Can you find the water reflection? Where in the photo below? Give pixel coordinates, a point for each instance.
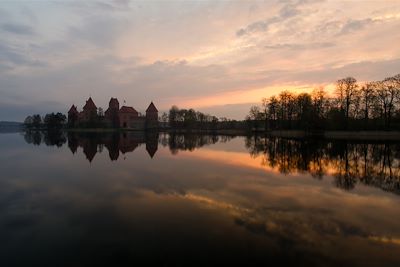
(50, 138)
(376, 164)
(205, 200)
(124, 142)
(190, 142)
(94, 142)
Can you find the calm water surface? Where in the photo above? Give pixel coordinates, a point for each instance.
(87, 199)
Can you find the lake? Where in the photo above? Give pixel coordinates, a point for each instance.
(90, 199)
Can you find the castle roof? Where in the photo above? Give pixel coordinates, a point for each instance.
(126, 109)
(151, 108)
(89, 104)
(73, 109)
(113, 100)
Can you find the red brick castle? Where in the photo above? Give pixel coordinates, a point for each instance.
(115, 117)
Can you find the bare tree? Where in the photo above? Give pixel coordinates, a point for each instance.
(264, 104)
(273, 105)
(319, 100)
(255, 113)
(388, 93)
(346, 90)
(367, 98)
(287, 106)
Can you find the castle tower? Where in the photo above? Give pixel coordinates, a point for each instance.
(111, 113)
(151, 116)
(89, 112)
(72, 116)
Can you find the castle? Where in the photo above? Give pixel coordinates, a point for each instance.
(114, 117)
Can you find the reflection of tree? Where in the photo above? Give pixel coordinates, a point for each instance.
(54, 138)
(287, 155)
(373, 164)
(346, 168)
(50, 138)
(190, 141)
(33, 137)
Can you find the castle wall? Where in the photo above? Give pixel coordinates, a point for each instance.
(138, 124)
(127, 121)
(151, 124)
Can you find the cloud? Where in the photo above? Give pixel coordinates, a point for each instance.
(122, 3)
(362, 71)
(235, 111)
(19, 111)
(86, 8)
(290, 9)
(27, 12)
(18, 29)
(100, 31)
(355, 25)
(13, 56)
(208, 88)
(258, 26)
(115, 5)
(295, 46)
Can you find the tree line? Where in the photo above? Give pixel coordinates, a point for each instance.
(178, 118)
(354, 106)
(49, 121)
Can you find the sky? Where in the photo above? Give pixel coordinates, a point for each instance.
(219, 57)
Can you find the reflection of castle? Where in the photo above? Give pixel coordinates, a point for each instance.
(115, 143)
(114, 116)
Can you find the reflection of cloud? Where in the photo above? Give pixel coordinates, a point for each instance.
(230, 208)
(307, 231)
(230, 158)
(384, 239)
